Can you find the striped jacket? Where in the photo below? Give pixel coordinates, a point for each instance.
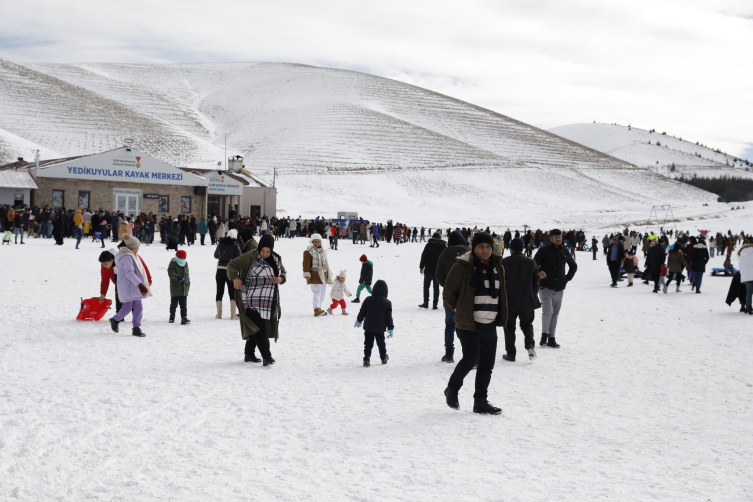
(460, 295)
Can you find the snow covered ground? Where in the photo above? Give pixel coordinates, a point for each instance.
(650, 396)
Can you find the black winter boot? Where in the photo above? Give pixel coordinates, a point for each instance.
(451, 396)
(447, 358)
(552, 343)
(357, 300)
(172, 318)
(114, 324)
(385, 359)
(366, 362)
(424, 305)
(508, 358)
(267, 361)
(137, 332)
(184, 321)
(251, 358)
(484, 406)
(544, 338)
(435, 307)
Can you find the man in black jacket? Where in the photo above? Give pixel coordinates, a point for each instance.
(551, 260)
(615, 255)
(506, 238)
(456, 247)
(654, 260)
(428, 267)
(522, 283)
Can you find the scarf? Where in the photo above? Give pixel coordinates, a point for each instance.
(140, 266)
(477, 279)
(318, 259)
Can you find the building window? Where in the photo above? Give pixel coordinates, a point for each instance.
(185, 204)
(83, 200)
(254, 211)
(58, 198)
(164, 203)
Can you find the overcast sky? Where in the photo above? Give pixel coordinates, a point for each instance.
(685, 67)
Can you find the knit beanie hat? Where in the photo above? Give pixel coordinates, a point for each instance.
(246, 234)
(181, 254)
(363, 258)
(233, 234)
(267, 241)
(343, 274)
(316, 237)
(105, 256)
(435, 236)
(482, 238)
(131, 242)
(456, 239)
(516, 245)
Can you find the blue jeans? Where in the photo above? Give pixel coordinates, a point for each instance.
(79, 233)
(711, 250)
(449, 329)
(749, 293)
(697, 279)
(17, 231)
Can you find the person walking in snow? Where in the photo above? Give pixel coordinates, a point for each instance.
(675, 266)
(398, 233)
(174, 236)
(317, 272)
(698, 264)
(376, 317)
(475, 288)
(594, 246)
(338, 292)
(615, 256)
(630, 265)
(745, 264)
(551, 260)
(364, 281)
(226, 251)
(654, 262)
(456, 246)
(132, 285)
(180, 282)
(522, 284)
(428, 267)
(256, 276)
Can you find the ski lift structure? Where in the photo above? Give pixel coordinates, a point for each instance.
(661, 216)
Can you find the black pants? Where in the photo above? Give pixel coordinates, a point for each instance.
(222, 282)
(674, 276)
(480, 344)
(260, 339)
(368, 343)
(174, 301)
(428, 280)
(334, 242)
(614, 271)
(526, 326)
(202, 238)
(212, 239)
(594, 250)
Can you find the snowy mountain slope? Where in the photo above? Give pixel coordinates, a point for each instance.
(655, 151)
(12, 147)
(395, 147)
(73, 120)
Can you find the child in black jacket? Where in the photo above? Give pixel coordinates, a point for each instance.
(376, 316)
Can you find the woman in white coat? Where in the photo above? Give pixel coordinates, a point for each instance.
(317, 273)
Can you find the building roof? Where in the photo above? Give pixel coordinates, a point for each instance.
(16, 179)
(28, 164)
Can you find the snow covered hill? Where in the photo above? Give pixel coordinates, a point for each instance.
(337, 140)
(655, 150)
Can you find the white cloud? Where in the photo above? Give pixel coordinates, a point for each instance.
(681, 66)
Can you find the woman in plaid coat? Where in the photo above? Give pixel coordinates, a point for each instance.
(256, 276)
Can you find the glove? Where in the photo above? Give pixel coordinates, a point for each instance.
(358, 324)
(391, 333)
(181, 280)
(143, 289)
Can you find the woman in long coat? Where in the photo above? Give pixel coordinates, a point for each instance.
(317, 272)
(174, 235)
(256, 276)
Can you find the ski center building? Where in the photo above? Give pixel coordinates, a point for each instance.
(131, 182)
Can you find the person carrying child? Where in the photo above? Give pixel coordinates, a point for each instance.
(180, 282)
(364, 282)
(132, 284)
(338, 292)
(376, 317)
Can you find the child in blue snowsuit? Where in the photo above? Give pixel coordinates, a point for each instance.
(376, 317)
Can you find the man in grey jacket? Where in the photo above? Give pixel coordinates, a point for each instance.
(522, 283)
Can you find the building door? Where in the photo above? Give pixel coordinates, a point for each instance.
(254, 211)
(213, 205)
(128, 203)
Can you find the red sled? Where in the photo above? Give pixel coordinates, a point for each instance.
(93, 310)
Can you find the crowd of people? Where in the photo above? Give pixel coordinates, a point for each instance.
(467, 268)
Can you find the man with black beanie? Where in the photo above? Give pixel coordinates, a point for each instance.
(428, 267)
(475, 289)
(551, 260)
(456, 246)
